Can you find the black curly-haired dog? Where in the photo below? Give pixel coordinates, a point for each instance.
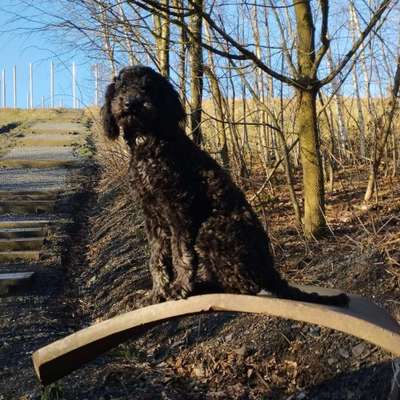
(203, 234)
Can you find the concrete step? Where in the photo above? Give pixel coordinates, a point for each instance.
(60, 126)
(23, 163)
(20, 244)
(26, 223)
(19, 222)
(47, 140)
(6, 195)
(10, 268)
(26, 207)
(18, 256)
(14, 280)
(10, 233)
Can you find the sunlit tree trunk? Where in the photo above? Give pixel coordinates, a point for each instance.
(162, 37)
(218, 102)
(355, 27)
(313, 183)
(342, 129)
(196, 72)
(125, 26)
(289, 178)
(380, 142)
(106, 36)
(360, 112)
(178, 4)
(307, 128)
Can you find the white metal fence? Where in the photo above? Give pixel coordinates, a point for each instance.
(10, 82)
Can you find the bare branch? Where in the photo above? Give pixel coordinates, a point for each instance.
(324, 36)
(374, 20)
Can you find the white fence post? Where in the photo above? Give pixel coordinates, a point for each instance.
(4, 87)
(74, 85)
(27, 92)
(15, 86)
(96, 84)
(52, 84)
(30, 86)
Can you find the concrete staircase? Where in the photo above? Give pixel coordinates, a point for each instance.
(32, 180)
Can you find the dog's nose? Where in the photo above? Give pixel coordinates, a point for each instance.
(133, 101)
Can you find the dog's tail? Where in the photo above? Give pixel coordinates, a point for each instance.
(283, 290)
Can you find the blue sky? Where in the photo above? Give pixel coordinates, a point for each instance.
(20, 49)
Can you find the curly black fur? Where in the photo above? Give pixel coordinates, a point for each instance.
(203, 234)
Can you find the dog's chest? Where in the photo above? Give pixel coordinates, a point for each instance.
(150, 170)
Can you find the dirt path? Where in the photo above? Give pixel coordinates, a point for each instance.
(37, 179)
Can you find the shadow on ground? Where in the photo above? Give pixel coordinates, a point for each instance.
(8, 127)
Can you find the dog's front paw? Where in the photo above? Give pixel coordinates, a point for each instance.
(155, 296)
(178, 291)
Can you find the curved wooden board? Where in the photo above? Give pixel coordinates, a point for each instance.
(362, 319)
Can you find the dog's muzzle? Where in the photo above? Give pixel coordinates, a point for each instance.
(133, 103)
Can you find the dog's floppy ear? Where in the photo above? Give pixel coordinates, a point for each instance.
(174, 108)
(111, 129)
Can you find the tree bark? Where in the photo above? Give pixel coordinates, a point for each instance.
(313, 182)
(197, 72)
(307, 128)
(107, 37)
(125, 26)
(162, 37)
(380, 143)
(289, 178)
(219, 111)
(183, 39)
(343, 138)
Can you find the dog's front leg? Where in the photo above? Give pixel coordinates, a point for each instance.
(183, 259)
(160, 263)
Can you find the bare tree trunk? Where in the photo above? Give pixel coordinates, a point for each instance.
(330, 157)
(165, 42)
(313, 182)
(238, 154)
(361, 121)
(125, 25)
(178, 4)
(307, 127)
(197, 71)
(394, 154)
(246, 149)
(258, 79)
(218, 106)
(289, 178)
(355, 28)
(342, 129)
(162, 37)
(380, 143)
(106, 36)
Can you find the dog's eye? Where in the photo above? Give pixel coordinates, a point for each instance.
(147, 105)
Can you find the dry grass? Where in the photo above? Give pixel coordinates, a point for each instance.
(113, 157)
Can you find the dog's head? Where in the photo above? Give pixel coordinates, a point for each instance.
(143, 103)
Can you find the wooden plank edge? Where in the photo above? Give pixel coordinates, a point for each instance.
(65, 355)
